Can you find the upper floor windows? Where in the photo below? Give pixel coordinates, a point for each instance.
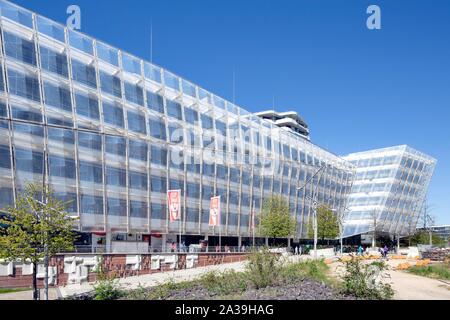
(110, 84)
(24, 85)
(134, 93)
(155, 102)
(19, 48)
(174, 110)
(84, 73)
(136, 122)
(57, 96)
(54, 62)
(87, 105)
(113, 114)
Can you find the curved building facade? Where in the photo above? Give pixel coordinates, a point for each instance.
(112, 133)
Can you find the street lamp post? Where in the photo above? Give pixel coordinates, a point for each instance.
(314, 203)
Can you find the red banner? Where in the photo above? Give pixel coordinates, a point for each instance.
(174, 204)
(214, 211)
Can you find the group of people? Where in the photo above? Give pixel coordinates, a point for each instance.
(383, 250)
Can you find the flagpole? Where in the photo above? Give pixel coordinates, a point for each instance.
(179, 243)
(253, 222)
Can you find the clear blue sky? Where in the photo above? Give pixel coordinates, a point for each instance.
(358, 89)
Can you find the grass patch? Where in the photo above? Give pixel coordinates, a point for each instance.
(437, 271)
(11, 290)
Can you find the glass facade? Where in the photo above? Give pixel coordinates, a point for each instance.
(388, 191)
(112, 133)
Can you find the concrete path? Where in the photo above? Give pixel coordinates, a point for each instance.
(411, 287)
(28, 295)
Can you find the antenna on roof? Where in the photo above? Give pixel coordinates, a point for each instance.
(234, 86)
(151, 40)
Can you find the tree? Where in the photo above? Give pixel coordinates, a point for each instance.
(327, 224)
(34, 230)
(276, 220)
(423, 237)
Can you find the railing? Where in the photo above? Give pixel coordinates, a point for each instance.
(92, 249)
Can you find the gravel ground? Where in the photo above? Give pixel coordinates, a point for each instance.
(306, 289)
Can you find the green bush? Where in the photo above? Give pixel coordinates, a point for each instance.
(224, 283)
(362, 280)
(263, 268)
(316, 270)
(107, 289)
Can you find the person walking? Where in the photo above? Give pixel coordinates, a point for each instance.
(360, 250)
(385, 250)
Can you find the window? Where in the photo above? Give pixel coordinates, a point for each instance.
(174, 109)
(137, 150)
(208, 169)
(115, 177)
(107, 54)
(84, 73)
(113, 114)
(158, 184)
(207, 122)
(2, 84)
(57, 96)
(137, 180)
(61, 136)
(235, 175)
(158, 211)
(35, 130)
(54, 62)
(116, 207)
(19, 48)
(91, 204)
(87, 105)
(70, 199)
(26, 86)
(88, 140)
(134, 93)
(5, 155)
(158, 155)
(6, 197)
(138, 209)
(110, 84)
(136, 122)
(193, 190)
(64, 122)
(221, 128)
(62, 167)
(207, 192)
(80, 42)
(29, 161)
(115, 145)
(155, 102)
(175, 133)
(157, 128)
(26, 113)
(192, 214)
(191, 115)
(50, 29)
(91, 172)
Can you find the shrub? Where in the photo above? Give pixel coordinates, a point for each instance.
(440, 271)
(363, 280)
(316, 270)
(107, 289)
(263, 268)
(224, 283)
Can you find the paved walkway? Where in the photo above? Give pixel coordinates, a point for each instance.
(28, 295)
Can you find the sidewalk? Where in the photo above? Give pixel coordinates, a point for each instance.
(28, 295)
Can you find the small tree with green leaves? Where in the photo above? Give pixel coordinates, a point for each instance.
(35, 229)
(327, 224)
(276, 221)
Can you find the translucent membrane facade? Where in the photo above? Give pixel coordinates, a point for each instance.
(388, 191)
(112, 133)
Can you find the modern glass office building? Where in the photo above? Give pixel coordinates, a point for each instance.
(112, 133)
(388, 191)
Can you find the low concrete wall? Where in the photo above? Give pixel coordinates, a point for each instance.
(80, 268)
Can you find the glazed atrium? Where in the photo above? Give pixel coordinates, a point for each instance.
(111, 133)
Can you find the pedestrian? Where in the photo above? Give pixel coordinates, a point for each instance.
(296, 250)
(385, 250)
(360, 250)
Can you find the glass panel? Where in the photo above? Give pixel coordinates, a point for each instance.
(91, 172)
(19, 48)
(158, 155)
(191, 116)
(158, 184)
(131, 64)
(113, 114)
(16, 14)
(91, 204)
(88, 140)
(136, 122)
(50, 29)
(115, 177)
(138, 150)
(107, 54)
(134, 93)
(23, 85)
(84, 73)
(5, 157)
(62, 167)
(80, 42)
(189, 89)
(110, 84)
(138, 209)
(174, 109)
(29, 160)
(155, 102)
(26, 113)
(54, 62)
(87, 105)
(117, 207)
(57, 96)
(157, 128)
(115, 145)
(137, 180)
(152, 72)
(171, 81)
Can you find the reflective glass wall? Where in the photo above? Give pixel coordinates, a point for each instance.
(111, 133)
(389, 190)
